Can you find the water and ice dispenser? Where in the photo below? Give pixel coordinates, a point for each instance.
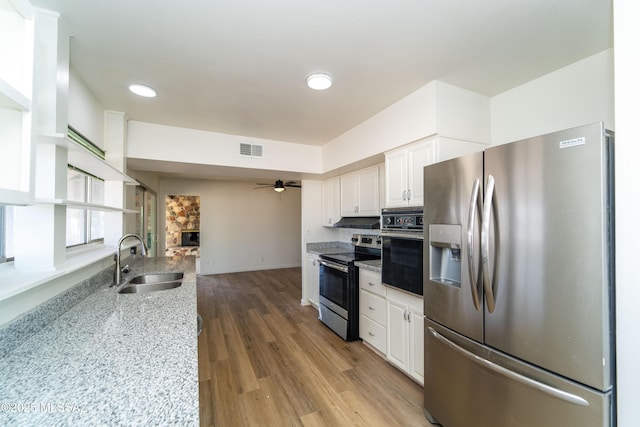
(445, 254)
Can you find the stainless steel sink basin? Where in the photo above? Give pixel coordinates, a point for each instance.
(148, 287)
(155, 278)
(152, 283)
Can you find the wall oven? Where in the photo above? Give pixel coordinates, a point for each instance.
(402, 248)
(338, 308)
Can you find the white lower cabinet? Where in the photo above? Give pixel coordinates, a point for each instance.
(313, 280)
(373, 313)
(405, 333)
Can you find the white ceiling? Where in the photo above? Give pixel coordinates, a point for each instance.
(239, 66)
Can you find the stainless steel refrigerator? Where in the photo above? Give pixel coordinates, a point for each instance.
(518, 284)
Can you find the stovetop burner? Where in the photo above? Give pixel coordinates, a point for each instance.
(365, 247)
(347, 258)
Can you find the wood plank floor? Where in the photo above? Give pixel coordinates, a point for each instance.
(266, 360)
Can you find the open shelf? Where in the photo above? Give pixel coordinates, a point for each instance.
(88, 162)
(82, 205)
(12, 98)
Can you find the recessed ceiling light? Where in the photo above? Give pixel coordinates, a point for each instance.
(142, 90)
(319, 81)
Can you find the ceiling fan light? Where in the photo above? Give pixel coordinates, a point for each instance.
(279, 189)
(319, 81)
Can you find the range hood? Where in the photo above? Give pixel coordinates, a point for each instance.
(363, 222)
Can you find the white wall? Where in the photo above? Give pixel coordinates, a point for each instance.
(86, 114)
(241, 229)
(170, 143)
(437, 108)
(148, 179)
(627, 94)
(576, 95)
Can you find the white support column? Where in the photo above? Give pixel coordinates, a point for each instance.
(51, 77)
(41, 245)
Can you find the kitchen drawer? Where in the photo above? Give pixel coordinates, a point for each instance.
(374, 307)
(373, 333)
(372, 281)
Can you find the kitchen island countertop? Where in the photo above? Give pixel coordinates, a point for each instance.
(113, 359)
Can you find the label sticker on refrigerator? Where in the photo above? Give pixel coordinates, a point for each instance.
(568, 143)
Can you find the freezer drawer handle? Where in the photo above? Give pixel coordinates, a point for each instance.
(484, 245)
(560, 394)
(473, 203)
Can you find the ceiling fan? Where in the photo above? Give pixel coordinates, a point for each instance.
(279, 185)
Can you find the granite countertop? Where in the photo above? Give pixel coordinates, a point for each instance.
(319, 248)
(373, 265)
(113, 359)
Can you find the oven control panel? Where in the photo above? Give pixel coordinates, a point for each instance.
(367, 241)
(402, 219)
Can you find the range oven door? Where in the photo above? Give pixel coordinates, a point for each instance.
(334, 287)
(402, 260)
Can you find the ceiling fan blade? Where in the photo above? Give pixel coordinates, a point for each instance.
(279, 184)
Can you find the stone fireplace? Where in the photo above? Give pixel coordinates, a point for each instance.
(182, 221)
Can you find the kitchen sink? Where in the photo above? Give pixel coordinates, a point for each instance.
(152, 283)
(155, 278)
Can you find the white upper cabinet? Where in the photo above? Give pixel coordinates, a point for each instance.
(16, 88)
(404, 169)
(360, 193)
(330, 202)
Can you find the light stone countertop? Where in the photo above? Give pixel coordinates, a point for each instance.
(113, 359)
(373, 265)
(319, 248)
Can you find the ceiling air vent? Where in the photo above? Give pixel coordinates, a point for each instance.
(250, 150)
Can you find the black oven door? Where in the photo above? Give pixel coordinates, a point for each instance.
(334, 287)
(402, 261)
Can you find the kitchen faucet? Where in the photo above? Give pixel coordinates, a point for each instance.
(118, 273)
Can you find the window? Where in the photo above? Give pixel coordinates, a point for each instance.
(84, 225)
(6, 233)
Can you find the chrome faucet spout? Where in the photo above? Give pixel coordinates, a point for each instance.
(118, 273)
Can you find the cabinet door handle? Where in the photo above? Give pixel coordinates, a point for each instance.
(404, 314)
(371, 308)
(371, 284)
(408, 194)
(404, 195)
(372, 334)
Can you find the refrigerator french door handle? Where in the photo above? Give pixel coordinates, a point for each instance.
(484, 245)
(560, 394)
(473, 209)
